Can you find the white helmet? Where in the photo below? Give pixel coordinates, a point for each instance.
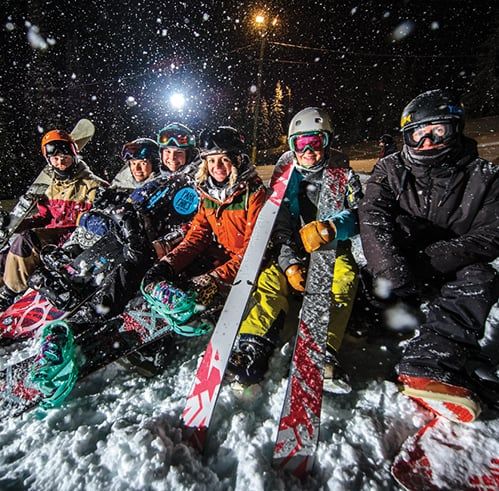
(310, 119)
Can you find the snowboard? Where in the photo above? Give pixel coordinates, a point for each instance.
(299, 425)
(446, 455)
(137, 328)
(56, 294)
(82, 134)
(202, 398)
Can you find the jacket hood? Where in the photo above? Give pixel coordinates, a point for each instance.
(125, 180)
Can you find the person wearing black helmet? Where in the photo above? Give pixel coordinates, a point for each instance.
(387, 145)
(232, 196)
(430, 216)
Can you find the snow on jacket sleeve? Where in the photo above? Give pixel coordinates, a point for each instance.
(480, 244)
(227, 272)
(377, 213)
(197, 239)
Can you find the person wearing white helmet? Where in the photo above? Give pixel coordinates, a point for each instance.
(296, 234)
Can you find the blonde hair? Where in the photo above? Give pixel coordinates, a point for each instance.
(202, 173)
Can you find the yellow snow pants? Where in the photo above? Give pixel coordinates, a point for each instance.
(271, 296)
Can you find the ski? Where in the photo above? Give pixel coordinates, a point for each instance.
(82, 134)
(203, 395)
(298, 430)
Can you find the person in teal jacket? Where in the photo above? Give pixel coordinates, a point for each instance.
(296, 234)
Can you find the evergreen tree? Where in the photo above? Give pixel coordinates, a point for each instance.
(277, 115)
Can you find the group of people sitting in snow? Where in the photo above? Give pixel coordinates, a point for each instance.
(428, 221)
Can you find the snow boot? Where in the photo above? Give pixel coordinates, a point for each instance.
(250, 361)
(7, 297)
(336, 380)
(455, 403)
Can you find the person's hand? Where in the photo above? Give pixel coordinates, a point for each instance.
(317, 233)
(161, 271)
(296, 276)
(206, 287)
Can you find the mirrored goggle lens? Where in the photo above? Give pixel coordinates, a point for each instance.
(167, 138)
(135, 152)
(438, 133)
(58, 147)
(314, 142)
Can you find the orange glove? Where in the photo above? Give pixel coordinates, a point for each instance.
(315, 234)
(296, 276)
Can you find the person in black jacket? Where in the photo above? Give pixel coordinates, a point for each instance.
(430, 217)
(387, 145)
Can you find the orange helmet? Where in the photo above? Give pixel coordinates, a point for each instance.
(58, 141)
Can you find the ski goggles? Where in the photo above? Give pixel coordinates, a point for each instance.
(135, 151)
(438, 133)
(172, 138)
(308, 141)
(58, 147)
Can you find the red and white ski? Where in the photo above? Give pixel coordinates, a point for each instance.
(446, 455)
(298, 431)
(203, 396)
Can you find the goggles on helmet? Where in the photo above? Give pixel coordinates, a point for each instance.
(58, 147)
(170, 137)
(315, 142)
(438, 132)
(136, 151)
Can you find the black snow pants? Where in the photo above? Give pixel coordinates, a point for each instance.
(447, 347)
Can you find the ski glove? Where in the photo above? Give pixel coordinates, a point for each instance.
(296, 276)
(4, 220)
(206, 287)
(317, 233)
(161, 271)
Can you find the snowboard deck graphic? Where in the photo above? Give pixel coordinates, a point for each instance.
(451, 456)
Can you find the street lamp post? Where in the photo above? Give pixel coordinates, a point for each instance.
(260, 21)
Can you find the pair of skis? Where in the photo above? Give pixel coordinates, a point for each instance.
(300, 420)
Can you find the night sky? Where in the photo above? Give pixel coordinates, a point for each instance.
(118, 63)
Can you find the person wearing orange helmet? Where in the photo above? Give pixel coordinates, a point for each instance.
(70, 193)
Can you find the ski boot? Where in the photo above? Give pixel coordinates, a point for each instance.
(336, 380)
(250, 361)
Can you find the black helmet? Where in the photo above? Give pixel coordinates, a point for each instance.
(223, 139)
(141, 148)
(386, 139)
(431, 107)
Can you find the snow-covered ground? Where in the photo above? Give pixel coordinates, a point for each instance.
(119, 431)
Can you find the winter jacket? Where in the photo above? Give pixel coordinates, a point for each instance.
(66, 200)
(300, 207)
(450, 213)
(228, 222)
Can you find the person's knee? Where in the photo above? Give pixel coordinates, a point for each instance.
(24, 244)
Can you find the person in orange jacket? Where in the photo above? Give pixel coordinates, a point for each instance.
(232, 196)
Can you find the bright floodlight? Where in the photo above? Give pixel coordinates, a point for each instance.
(177, 100)
(259, 19)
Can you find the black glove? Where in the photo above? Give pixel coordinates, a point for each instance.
(4, 220)
(161, 271)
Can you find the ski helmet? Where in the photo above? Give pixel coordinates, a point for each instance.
(433, 106)
(224, 139)
(386, 139)
(58, 141)
(141, 149)
(176, 135)
(309, 120)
